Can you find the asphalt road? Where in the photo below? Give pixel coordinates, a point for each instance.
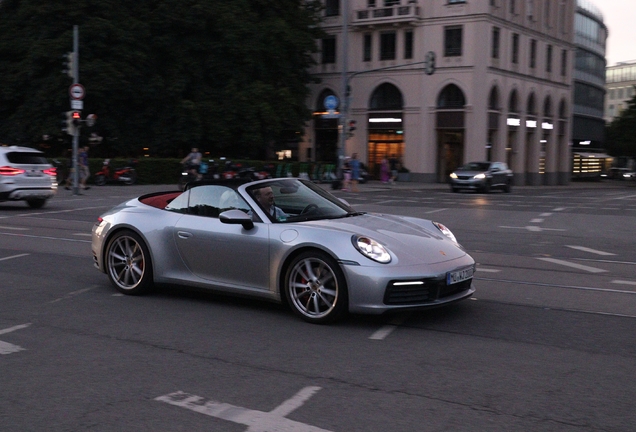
(546, 343)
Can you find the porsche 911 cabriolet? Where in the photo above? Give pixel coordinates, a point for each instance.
(286, 240)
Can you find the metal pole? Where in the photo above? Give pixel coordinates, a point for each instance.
(76, 129)
(344, 103)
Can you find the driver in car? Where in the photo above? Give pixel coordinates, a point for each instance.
(265, 197)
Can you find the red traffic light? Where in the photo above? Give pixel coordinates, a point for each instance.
(76, 115)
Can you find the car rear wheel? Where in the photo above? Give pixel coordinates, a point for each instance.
(315, 288)
(508, 186)
(36, 203)
(128, 263)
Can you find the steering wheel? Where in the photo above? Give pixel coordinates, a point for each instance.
(309, 208)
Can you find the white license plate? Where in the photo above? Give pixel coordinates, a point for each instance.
(459, 275)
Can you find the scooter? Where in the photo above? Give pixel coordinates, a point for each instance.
(126, 175)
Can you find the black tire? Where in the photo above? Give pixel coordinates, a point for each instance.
(131, 177)
(128, 264)
(486, 187)
(36, 203)
(99, 180)
(508, 187)
(315, 288)
(454, 189)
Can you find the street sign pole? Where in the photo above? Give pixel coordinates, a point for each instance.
(76, 131)
(344, 108)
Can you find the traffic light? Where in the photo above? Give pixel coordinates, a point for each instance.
(71, 121)
(76, 118)
(69, 64)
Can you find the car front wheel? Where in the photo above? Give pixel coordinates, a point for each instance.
(128, 263)
(315, 288)
(36, 203)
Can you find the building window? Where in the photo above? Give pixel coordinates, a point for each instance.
(408, 44)
(548, 59)
(371, 3)
(391, 2)
(329, 50)
(387, 46)
(368, 48)
(564, 62)
(456, 1)
(495, 42)
(512, 6)
(493, 3)
(530, 9)
(332, 8)
(515, 48)
(452, 41)
(533, 53)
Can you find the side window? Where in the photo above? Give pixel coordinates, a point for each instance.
(210, 201)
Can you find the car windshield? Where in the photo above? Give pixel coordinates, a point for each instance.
(476, 166)
(295, 200)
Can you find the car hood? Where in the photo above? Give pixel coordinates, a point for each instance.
(411, 241)
(469, 172)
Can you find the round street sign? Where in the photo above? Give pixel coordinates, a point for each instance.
(331, 102)
(76, 91)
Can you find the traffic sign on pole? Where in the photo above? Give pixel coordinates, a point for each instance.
(76, 91)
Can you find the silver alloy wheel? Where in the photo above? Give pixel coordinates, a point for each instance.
(313, 288)
(126, 263)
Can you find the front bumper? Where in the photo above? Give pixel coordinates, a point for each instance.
(372, 289)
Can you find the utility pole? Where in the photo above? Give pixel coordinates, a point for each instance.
(344, 103)
(76, 132)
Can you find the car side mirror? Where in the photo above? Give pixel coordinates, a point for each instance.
(237, 217)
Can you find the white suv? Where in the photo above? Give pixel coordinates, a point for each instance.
(26, 175)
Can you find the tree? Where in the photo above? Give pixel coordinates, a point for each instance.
(228, 77)
(621, 136)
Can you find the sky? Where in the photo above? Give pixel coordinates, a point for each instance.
(618, 16)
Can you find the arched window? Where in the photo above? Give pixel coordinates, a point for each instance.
(386, 97)
(493, 99)
(513, 102)
(532, 105)
(451, 97)
(563, 110)
(547, 107)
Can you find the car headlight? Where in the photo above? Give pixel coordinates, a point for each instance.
(453, 175)
(445, 231)
(480, 176)
(371, 249)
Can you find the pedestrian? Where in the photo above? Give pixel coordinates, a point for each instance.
(346, 175)
(69, 170)
(393, 166)
(84, 171)
(354, 163)
(384, 170)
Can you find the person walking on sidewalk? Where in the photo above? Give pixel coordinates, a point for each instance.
(354, 163)
(84, 172)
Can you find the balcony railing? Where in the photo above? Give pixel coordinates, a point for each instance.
(391, 14)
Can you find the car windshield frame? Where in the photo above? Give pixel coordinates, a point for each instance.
(300, 200)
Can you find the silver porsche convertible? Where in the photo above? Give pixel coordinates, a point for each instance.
(286, 240)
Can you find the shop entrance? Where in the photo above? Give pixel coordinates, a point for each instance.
(450, 148)
(384, 144)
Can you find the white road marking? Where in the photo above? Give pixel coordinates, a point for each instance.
(532, 228)
(386, 330)
(537, 220)
(73, 294)
(487, 270)
(6, 347)
(436, 211)
(545, 214)
(558, 209)
(45, 237)
(622, 282)
(13, 256)
(573, 265)
(83, 234)
(257, 421)
(594, 251)
(13, 228)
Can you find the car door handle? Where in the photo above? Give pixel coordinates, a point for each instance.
(184, 234)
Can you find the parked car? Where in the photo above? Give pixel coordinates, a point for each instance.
(314, 253)
(26, 175)
(482, 176)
